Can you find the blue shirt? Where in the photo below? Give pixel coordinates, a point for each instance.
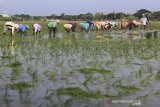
(22, 28)
(90, 23)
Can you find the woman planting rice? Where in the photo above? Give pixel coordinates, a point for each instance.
(10, 26)
(123, 24)
(52, 27)
(22, 29)
(70, 27)
(37, 29)
(91, 24)
(84, 26)
(99, 25)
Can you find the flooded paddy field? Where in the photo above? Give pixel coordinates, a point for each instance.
(79, 70)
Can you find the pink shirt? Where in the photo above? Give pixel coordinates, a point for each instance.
(37, 27)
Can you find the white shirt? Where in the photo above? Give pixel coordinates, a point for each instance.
(144, 20)
(10, 25)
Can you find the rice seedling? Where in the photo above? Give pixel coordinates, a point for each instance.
(77, 93)
(126, 90)
(92, 71)
(155, 34)
(20, 86)
(16, 72)
(50, 75)
(149, 35)
(15, 64)
(157, 93)
(158, 76)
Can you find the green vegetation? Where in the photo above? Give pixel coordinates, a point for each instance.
(77, 92)
(92, 71)
(20, 86)
(15, 64)
(126, 90)
(149, 35)
(158, 76)
(157, 93)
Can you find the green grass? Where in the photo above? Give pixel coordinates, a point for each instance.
(155, 25)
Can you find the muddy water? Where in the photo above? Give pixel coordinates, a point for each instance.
(45, 66)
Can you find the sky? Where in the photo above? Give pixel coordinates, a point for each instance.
(70, 7)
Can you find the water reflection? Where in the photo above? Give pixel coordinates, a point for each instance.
(36, 43)
(60, 35)
(91, 35)
(85, 35)
(12, 47)
(131, 35)
(114, 35)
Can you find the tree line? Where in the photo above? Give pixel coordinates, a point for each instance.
(96, 16)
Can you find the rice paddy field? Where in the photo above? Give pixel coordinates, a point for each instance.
(82, 69)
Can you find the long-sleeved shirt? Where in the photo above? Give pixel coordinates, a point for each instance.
(84, 26)
(37, 27)
(22, 28)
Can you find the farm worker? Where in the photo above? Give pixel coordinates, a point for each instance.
(91, 24)
(136, 23)
(70, 27)
(67, 27)
(130, 24)
(144, 21)
(113, 24)
(84, 26)
(100, 25)
(123, 24)
(10, 26)
(52, 27)
(37, 29)
(110, 24)
(103, 24)
(117, 24)
(22, 29)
